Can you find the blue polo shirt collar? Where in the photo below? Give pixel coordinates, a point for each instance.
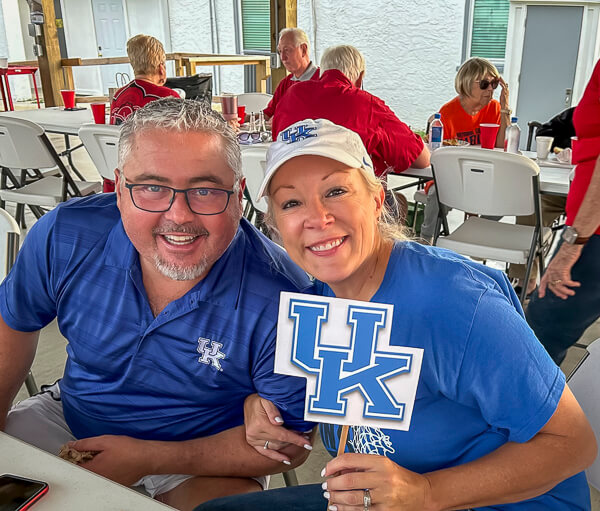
(222, 286)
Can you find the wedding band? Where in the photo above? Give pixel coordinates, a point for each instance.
(558, 281)
(266, 446)
(366, 499)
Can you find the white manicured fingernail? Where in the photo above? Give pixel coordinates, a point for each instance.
(308, 447)
(326, 494)
(279, 420)
(323, 472)
(287, 462)
(324, 485)
(332, 508)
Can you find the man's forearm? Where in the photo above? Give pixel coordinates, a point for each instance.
(17, 350)
(224, 454)
(587, 219)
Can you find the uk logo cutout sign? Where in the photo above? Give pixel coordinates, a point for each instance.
(342, 347)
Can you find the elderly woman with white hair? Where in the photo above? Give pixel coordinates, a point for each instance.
(494, 425)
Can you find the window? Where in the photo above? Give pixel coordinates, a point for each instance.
(486, 27)
(256, 25)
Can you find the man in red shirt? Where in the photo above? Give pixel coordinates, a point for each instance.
(338, 97)
(294, 51)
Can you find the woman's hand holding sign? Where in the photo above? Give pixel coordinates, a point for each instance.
(265, 431)
(390, 486)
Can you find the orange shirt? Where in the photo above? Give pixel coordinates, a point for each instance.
(459, 124)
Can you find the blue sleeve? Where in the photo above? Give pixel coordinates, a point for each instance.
(506, 372)
(27, 298)
(285, 392)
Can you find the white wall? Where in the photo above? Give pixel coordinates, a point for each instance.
(412, 49)
(192, 33)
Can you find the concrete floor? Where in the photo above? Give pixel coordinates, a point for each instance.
(50, 358)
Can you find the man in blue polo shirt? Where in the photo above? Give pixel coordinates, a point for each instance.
(169, 303)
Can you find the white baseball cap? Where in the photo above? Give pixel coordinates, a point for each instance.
(318, 137)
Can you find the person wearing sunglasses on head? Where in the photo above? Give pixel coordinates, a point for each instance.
(475, 83)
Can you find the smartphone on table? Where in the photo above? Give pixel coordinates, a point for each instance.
(19, 493)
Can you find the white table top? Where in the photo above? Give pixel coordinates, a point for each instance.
(55, 119)
(554, 178)
(71, 488)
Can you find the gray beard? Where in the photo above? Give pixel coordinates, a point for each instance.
(175, 272)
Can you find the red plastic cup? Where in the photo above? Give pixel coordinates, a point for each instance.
(241, 113)
(99, 112)
(68, 97)
(487, 135)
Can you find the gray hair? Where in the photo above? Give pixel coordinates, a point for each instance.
(344, 58)
(299, 36)
(181, 115)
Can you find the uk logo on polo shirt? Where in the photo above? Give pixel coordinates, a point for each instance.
(210, 353)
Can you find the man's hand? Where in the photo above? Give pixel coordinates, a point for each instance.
(557, 276)
(264, 423)
(122, 459)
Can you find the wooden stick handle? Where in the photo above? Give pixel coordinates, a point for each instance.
(341, 447)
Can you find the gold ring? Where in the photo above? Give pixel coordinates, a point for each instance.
(557, 281)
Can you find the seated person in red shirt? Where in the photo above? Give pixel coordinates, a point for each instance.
(148, 60)
(475, 83)
(294, 51)
(338, 97)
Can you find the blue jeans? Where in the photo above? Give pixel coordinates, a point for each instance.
(307, 497)
(559, 324)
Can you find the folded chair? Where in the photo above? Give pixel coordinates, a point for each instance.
(24, 145)
(101, 142)
(9, 247)
(493, 183)
(254, 101)
(253, 165)
(583, 381)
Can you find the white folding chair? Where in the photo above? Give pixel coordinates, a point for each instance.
(583, 382)
(254, 101)
(9, 247)
(24, 145)
(492, 183)
(101, 142)
(254, 160)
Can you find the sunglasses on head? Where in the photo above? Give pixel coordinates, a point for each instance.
(484, 84)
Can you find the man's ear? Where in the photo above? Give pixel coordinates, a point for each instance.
(241, 190)
(117, 185)
(162, 73)
(359, 80)
(304, 47)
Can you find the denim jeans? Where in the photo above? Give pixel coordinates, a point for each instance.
(307, 497)
(558, 323)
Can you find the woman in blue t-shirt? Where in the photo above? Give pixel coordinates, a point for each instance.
(494, 425)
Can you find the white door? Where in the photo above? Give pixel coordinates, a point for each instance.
(111, 37)
(550, 52)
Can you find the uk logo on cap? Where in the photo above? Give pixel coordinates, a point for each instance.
(300, 132)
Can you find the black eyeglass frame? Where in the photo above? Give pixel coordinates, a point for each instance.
(485, 83)
(175, 191)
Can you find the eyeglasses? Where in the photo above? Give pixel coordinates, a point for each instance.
(249, 138)
(158, 198)
(484, 84)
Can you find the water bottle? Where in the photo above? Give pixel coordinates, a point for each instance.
(513, 137)
(261, 122)
(252, 126)
(436, 132)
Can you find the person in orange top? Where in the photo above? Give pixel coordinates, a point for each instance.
(475, 83)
